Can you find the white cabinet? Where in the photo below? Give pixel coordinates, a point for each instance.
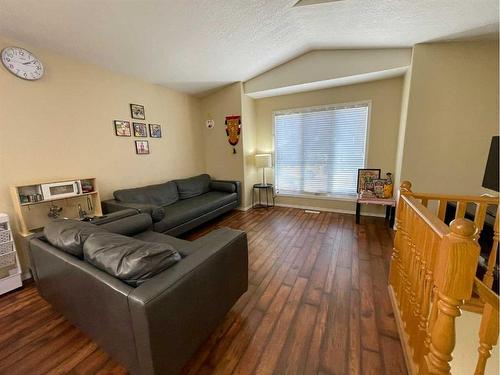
(10, 270)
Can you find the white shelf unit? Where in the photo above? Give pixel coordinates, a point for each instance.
(10, 270)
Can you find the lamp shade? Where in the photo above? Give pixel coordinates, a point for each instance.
(263, 161)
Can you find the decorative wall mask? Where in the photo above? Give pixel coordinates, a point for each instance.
(233, 130)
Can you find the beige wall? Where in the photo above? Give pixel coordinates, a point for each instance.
(452, 115)
(62, 127)
(383, 133)
(220, 161)
(249, 125)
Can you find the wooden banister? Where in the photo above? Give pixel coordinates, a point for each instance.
(432, 274)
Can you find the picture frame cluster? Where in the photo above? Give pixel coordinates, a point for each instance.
(125, 128)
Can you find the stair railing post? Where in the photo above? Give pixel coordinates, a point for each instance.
(454, 278)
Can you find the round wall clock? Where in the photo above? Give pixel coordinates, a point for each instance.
(22, 63)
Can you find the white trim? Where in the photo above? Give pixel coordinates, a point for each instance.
(26, 276)
(323, 107)
(342, 198)
(340, 211)
(241, 208)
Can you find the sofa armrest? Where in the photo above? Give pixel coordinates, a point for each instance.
(157, 213)
(227, 186)
(175, 311)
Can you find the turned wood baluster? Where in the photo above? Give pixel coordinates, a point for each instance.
(454, 278)
(420, 231)
(397, 272)
(488, 276)
(442, 208)
(424, 296)
(460, 211)
(488, 337)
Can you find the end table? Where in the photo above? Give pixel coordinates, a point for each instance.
(389, 203)
(268, 189)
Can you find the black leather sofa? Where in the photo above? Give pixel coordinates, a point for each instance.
(179, 205)
(156, 327)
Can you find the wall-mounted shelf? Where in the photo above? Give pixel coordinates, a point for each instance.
(56, 199)
(33, 201)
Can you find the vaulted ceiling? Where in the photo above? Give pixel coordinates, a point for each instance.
(197, 45)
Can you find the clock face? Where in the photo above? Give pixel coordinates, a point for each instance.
(22, 63)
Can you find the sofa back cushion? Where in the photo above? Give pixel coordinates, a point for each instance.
(130, 225)
(193, 186)
(130, 260)
(158, 195)
(69, 235)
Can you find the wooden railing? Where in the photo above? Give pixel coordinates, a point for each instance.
(432, 275)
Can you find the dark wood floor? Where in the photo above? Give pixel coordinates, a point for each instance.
(317, 304)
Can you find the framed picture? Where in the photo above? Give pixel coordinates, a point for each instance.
(137, 111)
(378, 187)
(140, 129)
(366, 177)
(155, 131)
(141, 147)
(122, 128)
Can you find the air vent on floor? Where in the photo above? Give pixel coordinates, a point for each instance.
(301, 3)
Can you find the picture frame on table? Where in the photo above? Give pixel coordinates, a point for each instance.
(122, 128)
(155, 131)
(140, 129)
(378, 187)
(367, 175)
(142, 147)
(137, 112)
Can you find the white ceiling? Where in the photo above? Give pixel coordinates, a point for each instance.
(197, 45)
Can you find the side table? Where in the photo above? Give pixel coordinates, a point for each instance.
(268, 189)
(389, 203)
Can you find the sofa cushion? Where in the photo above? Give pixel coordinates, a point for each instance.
(189, 209)
(129, 225)
(227, 186)
(69, 235)
(182, 246)
(193, 186)
(128, 259)
(158, 195)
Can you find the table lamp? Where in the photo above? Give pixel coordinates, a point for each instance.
(263, 161)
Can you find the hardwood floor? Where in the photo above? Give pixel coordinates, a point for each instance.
(317, 304)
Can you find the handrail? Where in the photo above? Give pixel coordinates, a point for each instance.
(454, 198)
(486, 294)
(439, 227)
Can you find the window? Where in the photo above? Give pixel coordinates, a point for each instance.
(319, 150)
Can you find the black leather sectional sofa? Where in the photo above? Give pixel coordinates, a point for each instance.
(179, 205)
(146, 298)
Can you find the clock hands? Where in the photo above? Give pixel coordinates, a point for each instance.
(29, 62)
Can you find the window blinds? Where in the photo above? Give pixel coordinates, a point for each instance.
(319, 150)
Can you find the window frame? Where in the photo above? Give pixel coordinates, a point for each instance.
(316, 108)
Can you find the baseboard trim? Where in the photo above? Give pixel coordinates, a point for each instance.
(336, 210)
(26, 276)
(244, 208)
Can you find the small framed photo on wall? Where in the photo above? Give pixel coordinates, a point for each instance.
(141, 147)
(155, 131)
(137, 112)
(140, 129)
(122, 128)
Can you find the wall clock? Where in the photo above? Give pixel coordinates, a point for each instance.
(22, 63)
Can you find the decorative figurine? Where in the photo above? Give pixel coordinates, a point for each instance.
(54, 211)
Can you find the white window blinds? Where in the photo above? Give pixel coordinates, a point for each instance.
(319, 150)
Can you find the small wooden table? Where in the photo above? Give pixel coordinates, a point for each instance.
(389, 203)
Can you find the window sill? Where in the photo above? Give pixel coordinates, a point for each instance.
(345, 198)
